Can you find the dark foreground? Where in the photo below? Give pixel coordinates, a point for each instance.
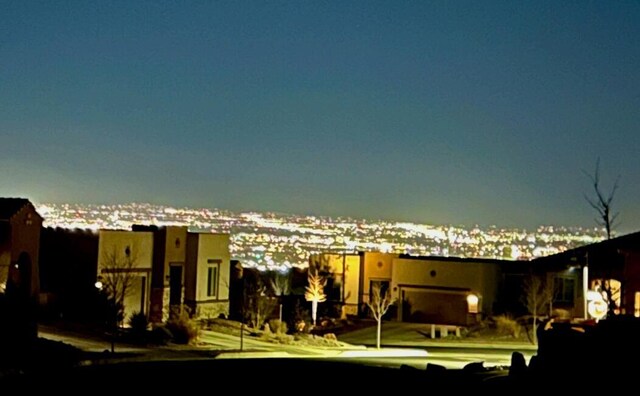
(575, 358)
(258, 376)
(283, 377)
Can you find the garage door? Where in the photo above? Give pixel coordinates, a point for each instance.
(434, 306)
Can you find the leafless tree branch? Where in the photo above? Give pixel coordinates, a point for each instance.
(602, 202)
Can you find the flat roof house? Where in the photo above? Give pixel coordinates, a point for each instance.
(167, 268)
(427, 289)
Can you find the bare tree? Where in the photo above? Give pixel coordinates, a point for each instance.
(117, 274)
(602, 202)
(379, 305)
(315, 292)
(537, 297)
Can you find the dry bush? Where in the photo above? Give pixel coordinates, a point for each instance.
(507, 326)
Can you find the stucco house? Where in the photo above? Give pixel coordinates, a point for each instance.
(124, 266)
(428, 289)
(167, 268)
(207, 275)
(584, 269)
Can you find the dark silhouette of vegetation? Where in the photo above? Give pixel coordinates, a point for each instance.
(138, 323)
(183, 328)
(68, 272)
(259, 304)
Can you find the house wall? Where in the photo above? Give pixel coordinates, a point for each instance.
(574, 305)
(5, 254)
(158, 277)
(191, 268)
(25, 228)
(443, 283)
(351, 265)
(374, 266)
(141, 247)
(201, 249)
(631, 286)
(175, 247)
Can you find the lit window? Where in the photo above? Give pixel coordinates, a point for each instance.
(636, 305)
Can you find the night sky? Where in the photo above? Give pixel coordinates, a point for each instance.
(440, 112)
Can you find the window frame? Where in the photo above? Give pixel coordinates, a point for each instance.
(213, 264)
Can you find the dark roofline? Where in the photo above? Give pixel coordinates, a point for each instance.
(9, 207)
(580, 252)
(456, 259)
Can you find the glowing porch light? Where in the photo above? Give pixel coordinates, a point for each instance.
(472, 301)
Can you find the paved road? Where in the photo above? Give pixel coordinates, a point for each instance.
(450, 353)
(452, 358)
(415, 354)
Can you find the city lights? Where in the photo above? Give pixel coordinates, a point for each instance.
(277, 241)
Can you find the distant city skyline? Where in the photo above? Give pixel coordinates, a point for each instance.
(594, 227)
(458, 113)
(268, 240)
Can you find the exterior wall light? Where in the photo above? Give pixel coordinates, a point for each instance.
(472, 302)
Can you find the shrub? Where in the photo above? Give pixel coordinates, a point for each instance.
(138, 323)
(507, 326)
(184, 329)
(299, 318)
(283, 338)
(278, 327)
(330, 337)
(561, 314)
(160, 335)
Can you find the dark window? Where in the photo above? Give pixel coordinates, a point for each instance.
(143, 291)
(212, 279)
(384, 287)
(564, 290)
(175, 285)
